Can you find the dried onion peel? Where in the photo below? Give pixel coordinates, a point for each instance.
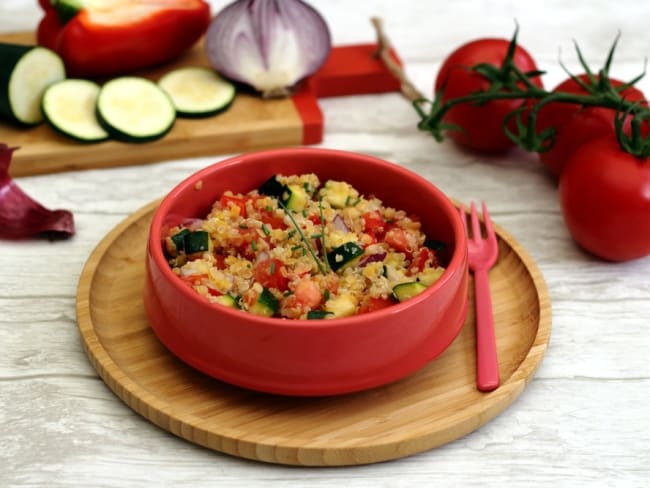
(20, 216)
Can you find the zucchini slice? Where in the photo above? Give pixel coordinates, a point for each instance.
(344, 255)
(197, 241)
(179, 240)
(69, 107)
(404, 291)
(25, 73)
(318, 314)
(266, 304)
(197, 92)
(296, 198)
(272, 188)
(293, 196)
(135, 109)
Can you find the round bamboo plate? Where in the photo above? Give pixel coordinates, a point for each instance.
(433, 406)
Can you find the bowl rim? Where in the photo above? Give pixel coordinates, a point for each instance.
(189, 183)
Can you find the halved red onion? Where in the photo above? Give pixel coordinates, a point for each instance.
(22, 217)
(268, 44)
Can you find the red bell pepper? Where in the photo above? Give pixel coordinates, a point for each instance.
(117, 37)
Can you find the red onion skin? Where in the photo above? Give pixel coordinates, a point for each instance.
(339, 224)
(245, 27)
(21, 217)
(372, 258)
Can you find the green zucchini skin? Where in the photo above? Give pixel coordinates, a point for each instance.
(294, 197)
(10, 57)
(266, 305)
(404, 291)
(196, 241)
(343, 255)
(273, 188)
(203, 115)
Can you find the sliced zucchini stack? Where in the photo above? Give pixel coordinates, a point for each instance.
(197, 91)
(25, 73)
(69, 107)
(135, 109)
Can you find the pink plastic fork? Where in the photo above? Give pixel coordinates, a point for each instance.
(482, 255)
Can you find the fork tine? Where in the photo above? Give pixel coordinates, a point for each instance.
(489, 230)
(463, 216)
(476, 225)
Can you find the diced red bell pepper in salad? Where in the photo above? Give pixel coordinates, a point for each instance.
(114, 37)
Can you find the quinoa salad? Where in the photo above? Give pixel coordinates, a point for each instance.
(297, 248)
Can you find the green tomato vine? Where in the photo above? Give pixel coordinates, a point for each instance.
(508, 82)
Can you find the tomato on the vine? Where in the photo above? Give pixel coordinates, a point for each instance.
(575, 124)
(605, 200)
(481, 124)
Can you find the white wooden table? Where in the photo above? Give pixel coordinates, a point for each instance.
(583, 421)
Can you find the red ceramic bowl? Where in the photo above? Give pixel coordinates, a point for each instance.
(308, 357)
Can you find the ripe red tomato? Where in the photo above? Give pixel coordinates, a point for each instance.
(605, 200)
(374, 223)
(482, 124)
(576, 124)
(401, 241)
(422, 256)
(270, 274)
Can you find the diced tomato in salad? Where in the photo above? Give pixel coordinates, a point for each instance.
(271, 273)
(373, 304)
(402, 241)
(228, 201)
(423, 257)
(307, 293)
(373, 223)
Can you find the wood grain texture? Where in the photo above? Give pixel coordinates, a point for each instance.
(249, 123)
(582, 422)
(436, 405)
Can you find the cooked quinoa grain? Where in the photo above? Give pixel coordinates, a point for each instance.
(296, 248)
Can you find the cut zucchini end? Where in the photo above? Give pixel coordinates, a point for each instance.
(135, 109)
(69, 107)
(37, 69)
(197, 92)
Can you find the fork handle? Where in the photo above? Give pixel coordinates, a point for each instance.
(487, 368)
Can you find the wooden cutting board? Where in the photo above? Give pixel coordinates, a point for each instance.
(249, 124)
